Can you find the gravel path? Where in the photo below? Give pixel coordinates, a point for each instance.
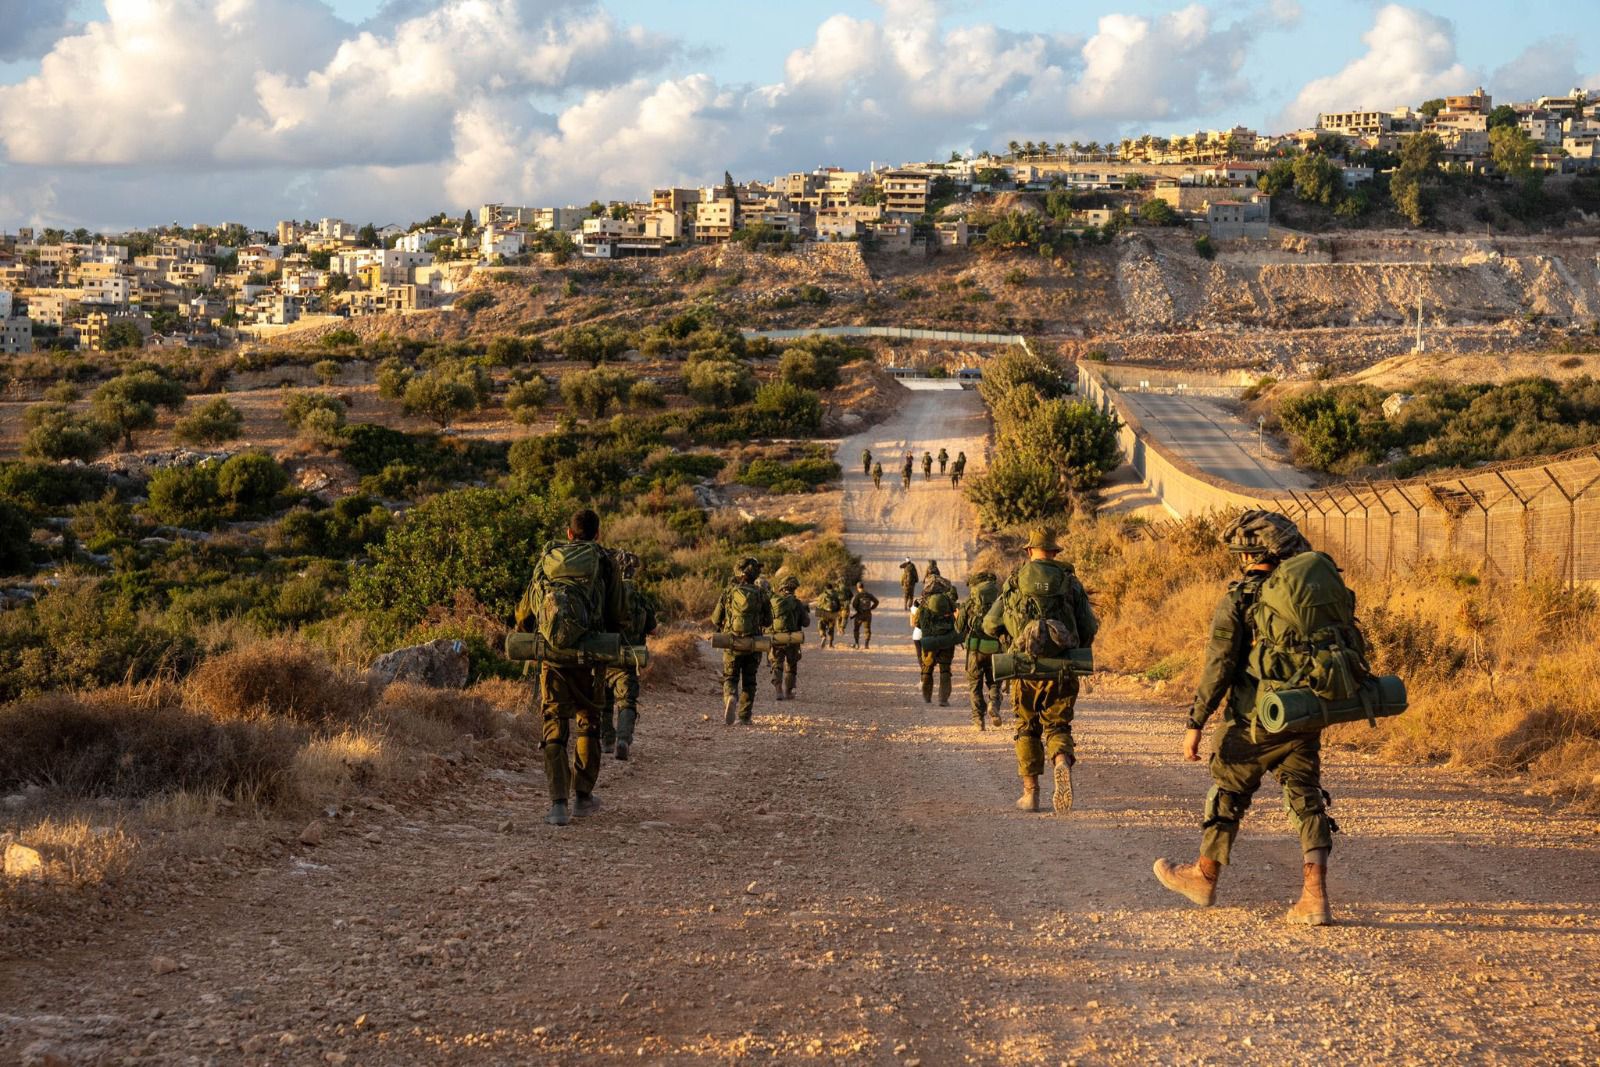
(846, 881)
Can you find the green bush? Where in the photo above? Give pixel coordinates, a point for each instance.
(15, 530)
(250, 483)
(808, 369)
(128, 402)
(593, 392)
(48, 488)
(326, 370)
(441, 395)
(1018, 489)
(340, 338)
(54, 432)
(211, 424)
(185, 496)
(720, 383)
(794, 409)
(526, 399)
(474, 301)
(800, 476)
(1204, 247)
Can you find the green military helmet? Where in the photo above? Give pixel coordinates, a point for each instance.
(979, 577)
(789, 584)
(748, 568)
(1266, 534)
(1044, 539)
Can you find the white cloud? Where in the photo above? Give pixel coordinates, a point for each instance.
(1545, 67)
(1410, 57)
(28, 28)
(1160, 68)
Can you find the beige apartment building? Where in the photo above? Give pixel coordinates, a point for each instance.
(715, 220)
(905, 195)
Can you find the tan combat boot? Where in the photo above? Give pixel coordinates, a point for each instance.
(1029, 800)
(727, 709)
(1061, 773)
(1197, 880)
(1312, 907)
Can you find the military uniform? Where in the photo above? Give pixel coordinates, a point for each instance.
(927, 466)
(981, 686)
(1043, 708)
(935, 659)
(958, 470)
(944, 457)
(905, 472)
(866, 461)
(827, 605)
(570, 699)
(1240, 755)
(739, 669)
(877, 476)
(908, 581)
(622, 683)
(788, 615)
(862, 605)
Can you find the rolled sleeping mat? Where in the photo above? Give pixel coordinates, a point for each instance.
(1009, 665)
(788, 637)
(1301, 710)
(989, 646)
(937, 642)
(738, 643)
(596, 648)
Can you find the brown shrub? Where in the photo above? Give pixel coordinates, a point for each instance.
(671, 654)
(102, 745)
(279, 679)
(407, 704)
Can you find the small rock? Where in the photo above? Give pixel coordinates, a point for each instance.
(751, 889)
(506, 827)
(312, 834)
(164, 965)
(23, 862)
(335, 1058)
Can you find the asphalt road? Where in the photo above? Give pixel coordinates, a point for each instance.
(1211, 437)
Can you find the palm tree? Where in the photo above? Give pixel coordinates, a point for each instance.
(1061, 148)
(1029, 149)
(1077, 149)
(1014, 148)
(1095, 148)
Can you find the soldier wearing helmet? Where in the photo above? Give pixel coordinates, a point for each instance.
(1241, 755)
(789, 615)
(745, 610)
(622, 682)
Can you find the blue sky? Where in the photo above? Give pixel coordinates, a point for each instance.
(124, 112)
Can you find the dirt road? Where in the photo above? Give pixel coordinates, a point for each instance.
(847, 882)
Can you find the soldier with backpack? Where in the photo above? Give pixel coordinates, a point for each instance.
(927, 466)
(622, 682)
(866, 461)
(982, 590)
(935, 618)
(828, 604)
(1288, 622)
(905, 472)
(908, 580)
(575, 594)
(745, 610)
(877, 476)
(958, 470)
(1043, 611)
(944, 457)
(862, 605)
(790, 617)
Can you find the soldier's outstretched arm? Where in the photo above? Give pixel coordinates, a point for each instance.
(1225, 649)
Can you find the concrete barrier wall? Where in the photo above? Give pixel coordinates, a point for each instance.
(895, 333)
(1536, 518)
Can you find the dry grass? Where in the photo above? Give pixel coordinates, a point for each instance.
(1500, 674)
(77, 854)
(433, 717)
(279, 679)
(672, 655)
(690, 597)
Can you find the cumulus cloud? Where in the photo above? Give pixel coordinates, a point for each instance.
(555, 100)
(1546, 66)
(1410, 57)
(28, 28)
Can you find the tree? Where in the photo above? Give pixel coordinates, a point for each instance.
(1504, 115)
(211, 424)
(1512, 150)
(594, 344)
(15, 529)
(368, 236)
(1013, 149)
(326, 370)
(1158, 212)
(592, 392)
(439, 397)
(250, 482)
(55, 433)
(127, 403)
(720, 383)
(1317, 180)
(525, 400)
(122, 334)
(467, 224)
(1430, 108)
(1419, 163)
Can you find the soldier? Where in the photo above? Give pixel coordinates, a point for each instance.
(866, 461)
(905, 472)
(622, 683)
(569, 693)
(982, 589)
(936, 618)
(927, 466)
(877, 476)
(789, 615)
(958, 470)
(931, 573)
(745, 610)
(827, 605)
(908, 580)
(1043, 604)
(944, 457)
(862, 605)
(1239, 758)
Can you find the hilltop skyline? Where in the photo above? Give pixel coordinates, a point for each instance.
(139, 113)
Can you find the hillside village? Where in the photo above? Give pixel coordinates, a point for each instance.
(218, 285)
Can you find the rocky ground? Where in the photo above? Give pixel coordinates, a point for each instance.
(846, 881)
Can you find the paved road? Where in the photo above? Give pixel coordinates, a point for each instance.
(1212, 438)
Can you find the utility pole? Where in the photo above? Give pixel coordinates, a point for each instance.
(1418, 348)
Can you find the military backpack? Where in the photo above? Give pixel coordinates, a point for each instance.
(565, 593)
(788, 614)
(1306, 637)
(1040, 614)
(938, 614)
(641, 613)
(742, 615)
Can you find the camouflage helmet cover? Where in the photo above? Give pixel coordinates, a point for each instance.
(749, 567)
(789, 584)
(627, 562)
(1265, 533)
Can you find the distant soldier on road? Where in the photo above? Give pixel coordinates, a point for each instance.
(944, 457)
(905, 471)
(927, 466)
(877, 476)
(1043, 609)
(982, 590)
(908, 580)
(958, 470)
(745, 610)
(789, 616)
(866, 461)
(1240, 754)
(828, 604)
(862, 605)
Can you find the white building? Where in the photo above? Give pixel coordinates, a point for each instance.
(114, 290)
(567, 219)
(498, 242)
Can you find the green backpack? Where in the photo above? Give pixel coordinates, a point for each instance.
(565, 593)
(938, 614)
(1306, 635)
(1039, 615)
(742, 616)
(788, 614)
(641, 613)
